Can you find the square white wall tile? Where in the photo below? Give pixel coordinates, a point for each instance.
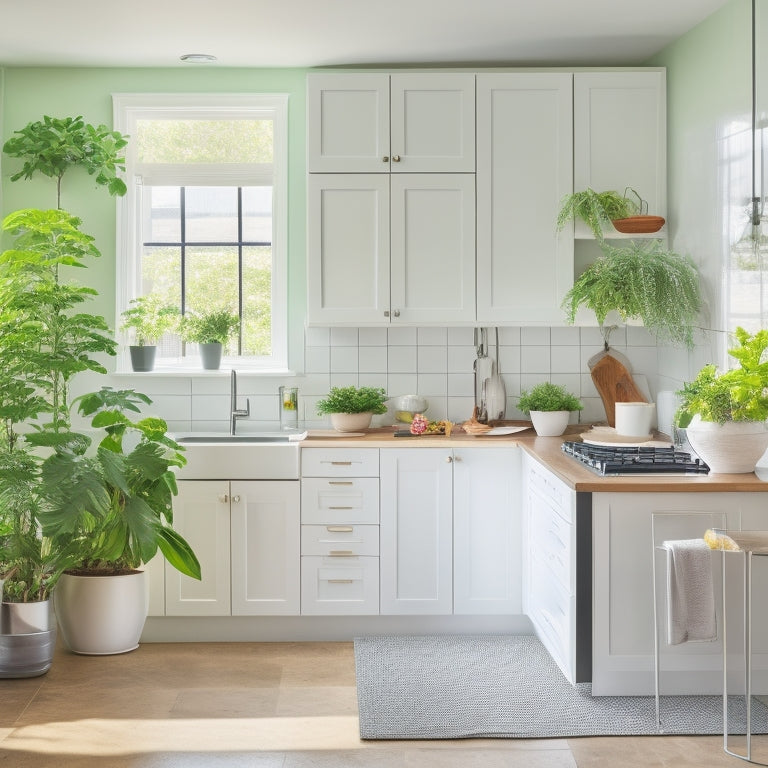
(534, 336)
(373, 337)
(509, 359)
(460, 408)
(210, 407)
(317, 337)
(378, 380)
(432, 359)
(461, 336)
(508, 336)
(401, 359)
(432, 384)
(568, 335)
(461, 385)
(402, 384)
(432, 336)
(373, 360)
(535, 360)
(344, 380)
(460, 358)
(317, 360)
(344, 360)
(344, 337)
(565, 359)
(400, 335)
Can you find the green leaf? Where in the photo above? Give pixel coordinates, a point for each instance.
(178, 553)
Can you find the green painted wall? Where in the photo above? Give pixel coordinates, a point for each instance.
(708, 100)
(29, 93)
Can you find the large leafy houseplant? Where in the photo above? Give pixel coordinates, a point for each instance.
(548, 397)
(642, 280)
(353, 400)
(724, 413)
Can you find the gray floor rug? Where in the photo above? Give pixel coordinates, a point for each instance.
(507, 686)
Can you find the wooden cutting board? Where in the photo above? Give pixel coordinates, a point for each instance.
(615, 384)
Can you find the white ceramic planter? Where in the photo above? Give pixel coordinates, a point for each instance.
(351, 422)
(731, 448)
(550, 423)
(102, 615)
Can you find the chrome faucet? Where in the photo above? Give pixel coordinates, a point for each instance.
(234, 412)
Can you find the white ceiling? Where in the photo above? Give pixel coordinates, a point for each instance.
(309, 33)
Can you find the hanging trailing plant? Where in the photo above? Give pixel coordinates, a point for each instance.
(641, 280)
(596, 209)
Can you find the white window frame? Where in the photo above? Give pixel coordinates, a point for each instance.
(130, 107)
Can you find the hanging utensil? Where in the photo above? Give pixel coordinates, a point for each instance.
(483, 368)
(495, 391)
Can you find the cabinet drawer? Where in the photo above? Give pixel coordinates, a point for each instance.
(551, 543)
(329, 502)
(552, 611)
(340, 462)
(554, 490)
(340, 540)
(333, 586)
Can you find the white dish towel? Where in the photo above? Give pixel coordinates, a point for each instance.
(690, 592)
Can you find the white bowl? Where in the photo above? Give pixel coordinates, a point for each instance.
(407, 406)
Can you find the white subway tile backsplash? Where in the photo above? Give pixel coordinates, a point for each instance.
(509, 359)
(461, 385)
(401, 359)
(432, 359)
(378, 380)
(373, 337)
(344, 360)
(344, 337)
(344, 380)
(373, 360)
(460, 408)
(508, 336)
(169, 407)
(534, 336)
(638, 336)
(567, 335)
(564, 359)
(461, 336)
(400, 335)
(317, 337)
(460, 358)
(431, 384)
(402, 384)
(210, 407)
(432, 336)
(535, 360)
(317, 360)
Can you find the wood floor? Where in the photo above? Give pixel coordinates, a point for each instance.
(261, 705)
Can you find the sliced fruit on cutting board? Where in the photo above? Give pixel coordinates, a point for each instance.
(615, 384)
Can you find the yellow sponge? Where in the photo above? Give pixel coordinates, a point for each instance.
(720, 541)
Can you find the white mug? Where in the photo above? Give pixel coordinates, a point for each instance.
(634, 419)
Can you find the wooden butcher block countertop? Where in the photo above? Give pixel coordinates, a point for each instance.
(548, 451)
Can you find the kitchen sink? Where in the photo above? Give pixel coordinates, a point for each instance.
(259, 456)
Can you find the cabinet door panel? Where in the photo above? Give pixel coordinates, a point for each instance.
(416, 531)
(524, 169)
(201, 516)
(487, 570)
(433, 123)
(620, 135)
(433, 248)
(348, 249)
(348, 122)
(265, 548)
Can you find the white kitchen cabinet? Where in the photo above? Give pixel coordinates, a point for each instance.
(399, 123)
(397, 249)
(524, 170)
(416, 535)
(339, 531)
(550, 588)
(623, 658)
(246, 535)
(487, 548)
(620, 136)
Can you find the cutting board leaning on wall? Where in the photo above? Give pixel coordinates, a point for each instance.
(613, 380)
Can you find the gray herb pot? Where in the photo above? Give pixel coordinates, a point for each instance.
(143, 358)
(210, 354)
(27, 639)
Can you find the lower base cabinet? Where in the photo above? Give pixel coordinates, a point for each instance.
(246, 535)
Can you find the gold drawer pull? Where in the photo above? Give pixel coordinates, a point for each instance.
(340, 507)
(340, 581)
(340, 482)
(341, 553)
(339, 528)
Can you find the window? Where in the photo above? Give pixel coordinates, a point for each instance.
(203, 225)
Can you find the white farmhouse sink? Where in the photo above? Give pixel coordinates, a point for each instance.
(217, 456)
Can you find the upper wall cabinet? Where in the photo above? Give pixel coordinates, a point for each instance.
(620, 135)
(524, 169)
(400, 123)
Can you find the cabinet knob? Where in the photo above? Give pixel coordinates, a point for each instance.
(449, 459)
(236, 499)
(223, 498)
(385, 159)
(457, 458)
(396, 313)
(386, 313)
(395, 158)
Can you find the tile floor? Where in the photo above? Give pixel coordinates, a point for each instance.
(260, 705)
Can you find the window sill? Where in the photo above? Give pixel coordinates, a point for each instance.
(197, 372)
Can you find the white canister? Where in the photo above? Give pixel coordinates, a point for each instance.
(634, 419)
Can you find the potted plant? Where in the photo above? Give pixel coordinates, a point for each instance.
(211, 331)
(352, 408)
(642, 280)
(598, 209)
(115, 528)
(550, 407)
(724, 413)
(149, 318)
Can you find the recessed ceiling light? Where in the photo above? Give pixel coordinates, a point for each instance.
(198, 58)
